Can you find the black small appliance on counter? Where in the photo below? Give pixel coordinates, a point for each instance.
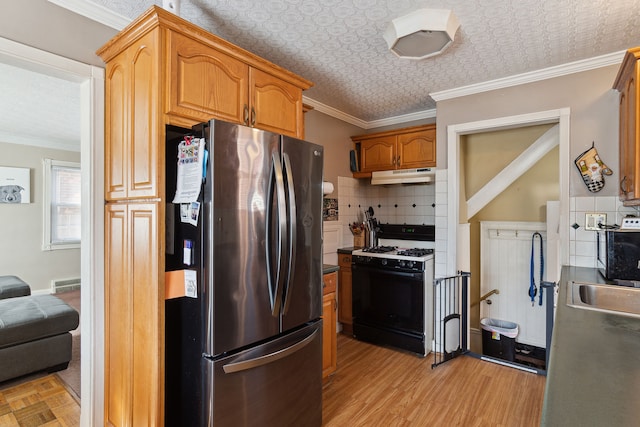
(619, 254)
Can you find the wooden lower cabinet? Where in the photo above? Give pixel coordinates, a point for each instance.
(345, 311)
(134, 326)
(329, 333)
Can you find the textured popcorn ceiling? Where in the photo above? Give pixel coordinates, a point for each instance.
(338, 45)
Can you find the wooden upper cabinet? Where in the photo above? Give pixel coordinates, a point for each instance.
(416, 149)
(131, 121)
(629, 135)
(205, 82)
(164, 70)
(408, 148)
(275, 105)
(378, 154)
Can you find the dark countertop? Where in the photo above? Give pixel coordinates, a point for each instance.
(594, 368)
(329, 268)
(348, 250)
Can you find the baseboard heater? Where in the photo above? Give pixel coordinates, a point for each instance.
(65, 285)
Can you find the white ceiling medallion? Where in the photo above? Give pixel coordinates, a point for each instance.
(422, 34)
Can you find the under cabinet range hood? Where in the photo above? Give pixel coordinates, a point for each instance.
(404, 176)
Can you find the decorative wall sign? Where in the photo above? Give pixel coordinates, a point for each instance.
(15, 185)
(330, 209)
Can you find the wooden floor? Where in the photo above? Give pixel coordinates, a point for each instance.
(373, 386)
(376, 386)
(43, 401)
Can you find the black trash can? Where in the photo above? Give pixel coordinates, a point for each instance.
(499, 338)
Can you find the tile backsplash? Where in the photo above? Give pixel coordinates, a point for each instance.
(582, 250)
(394, 204)
(416, 204)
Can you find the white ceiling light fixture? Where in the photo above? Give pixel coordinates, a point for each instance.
(422, 34)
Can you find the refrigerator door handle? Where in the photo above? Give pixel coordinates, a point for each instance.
(276, 185)
(291, 244)
(230, 368)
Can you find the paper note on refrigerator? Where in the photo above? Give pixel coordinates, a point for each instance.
(190, 166)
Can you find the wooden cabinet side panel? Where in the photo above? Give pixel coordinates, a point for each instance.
(329, 338)
(148, 321)
(205, 83)
(118, 318)
(276, 105)
(378, 154)
(116, 126)
(416, 150)
(145, 118)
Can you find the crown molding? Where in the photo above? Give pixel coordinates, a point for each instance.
(532, 76)
(95, 12)
(330, 111)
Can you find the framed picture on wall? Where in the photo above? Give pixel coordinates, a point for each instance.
(15, 185)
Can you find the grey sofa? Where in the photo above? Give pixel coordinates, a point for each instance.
(34, 330)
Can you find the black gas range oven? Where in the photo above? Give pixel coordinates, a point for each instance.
(392, 287)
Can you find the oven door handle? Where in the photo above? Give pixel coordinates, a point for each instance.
(417, 275)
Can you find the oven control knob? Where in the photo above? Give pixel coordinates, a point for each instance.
(410, 264)
(384, 261)
(401, 263)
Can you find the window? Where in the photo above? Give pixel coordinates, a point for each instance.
(62, 210)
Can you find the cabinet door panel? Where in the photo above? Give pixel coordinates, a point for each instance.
(378, 154)
(417, 149)
(206, 83)
(148, 318)
(329, 338)
(276, 105)
(116, 128)
(118, 318)
(144, 147)
(134, 340)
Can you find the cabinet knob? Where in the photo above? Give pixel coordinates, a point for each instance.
(253, 116)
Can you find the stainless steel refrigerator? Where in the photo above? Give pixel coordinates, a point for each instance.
(248, 350)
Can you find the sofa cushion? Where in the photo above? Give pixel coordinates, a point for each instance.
(29, 318)
(13, 286)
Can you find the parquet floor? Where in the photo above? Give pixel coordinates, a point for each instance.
(43, 401)
(376, 386)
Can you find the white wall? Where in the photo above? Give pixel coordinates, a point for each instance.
(21, 225)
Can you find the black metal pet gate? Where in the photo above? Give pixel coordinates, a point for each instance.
(450, 317)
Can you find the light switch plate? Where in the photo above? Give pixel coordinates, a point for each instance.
(592, 220)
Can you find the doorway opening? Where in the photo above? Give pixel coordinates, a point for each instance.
(91, 82)
(465, 211)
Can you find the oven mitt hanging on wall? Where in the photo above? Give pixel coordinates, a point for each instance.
(592, 169)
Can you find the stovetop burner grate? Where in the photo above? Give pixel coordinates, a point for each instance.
(380, 249)
(416, 252)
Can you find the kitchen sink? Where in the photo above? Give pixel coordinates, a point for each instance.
(615, 299)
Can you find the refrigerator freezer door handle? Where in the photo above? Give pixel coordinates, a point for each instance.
(230, 368)
(291, 244)
(276, 284)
